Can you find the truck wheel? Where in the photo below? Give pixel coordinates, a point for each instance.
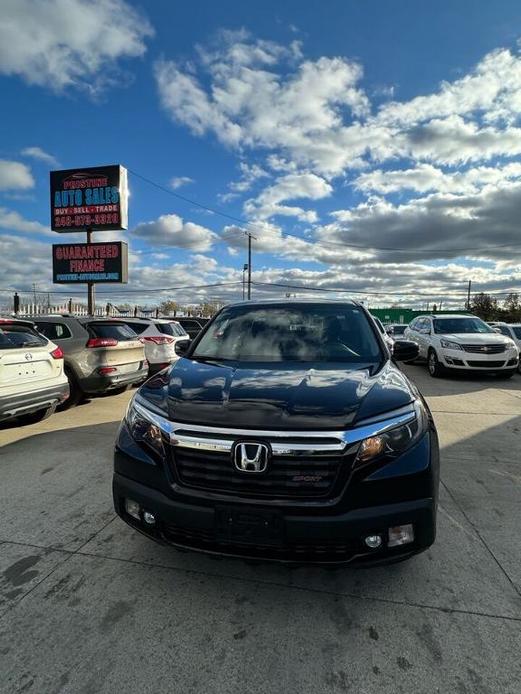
(435, 368)
(75, 392)
(35, 417)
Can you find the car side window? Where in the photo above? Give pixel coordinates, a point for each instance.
(504, 330)
(54, 331)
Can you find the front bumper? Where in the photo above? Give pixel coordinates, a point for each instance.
(98, 383)
(460, 359)
(26, 403)
(306, 539)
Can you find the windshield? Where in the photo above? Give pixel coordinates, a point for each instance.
(399, 329)
(461, 325)
(293, 334)
(517, 331)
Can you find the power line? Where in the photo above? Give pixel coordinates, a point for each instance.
(240, 220)
(133, 291)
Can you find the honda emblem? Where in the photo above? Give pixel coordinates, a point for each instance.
(251, 457)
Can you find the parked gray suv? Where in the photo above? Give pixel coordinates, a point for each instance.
(100, 354)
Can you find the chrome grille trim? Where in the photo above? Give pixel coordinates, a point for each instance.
(496, 348)
(194, 436)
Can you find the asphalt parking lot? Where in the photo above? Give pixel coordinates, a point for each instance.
(87, 605)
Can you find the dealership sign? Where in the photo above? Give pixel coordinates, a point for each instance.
(89, 262)
(95, 198)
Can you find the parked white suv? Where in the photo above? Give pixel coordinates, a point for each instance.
(32, 379)
(462, 342)
(512, 330)
(159, 335)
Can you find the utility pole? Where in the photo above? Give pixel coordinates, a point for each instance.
(249, 266)
(91, 293)
(245, 267)
(468, 295)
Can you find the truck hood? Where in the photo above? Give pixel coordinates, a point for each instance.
(289, 397)
(476, 338)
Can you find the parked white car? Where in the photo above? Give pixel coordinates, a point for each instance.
(462, 342)
(512, 330)
(386, 338)
(32, 378)
(159, 336)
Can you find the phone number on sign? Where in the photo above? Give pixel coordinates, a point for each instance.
(86, 220)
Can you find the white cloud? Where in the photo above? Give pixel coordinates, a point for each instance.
(313, 114)
(69, 43)
(13, 221)
(179, 181)
(171, 230)
(249, 102)
(425, 177)
(41, 155)
(289, 187)
(250, 173)
(15, 176)
(492, 87)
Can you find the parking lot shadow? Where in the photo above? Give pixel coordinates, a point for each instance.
(459, 383)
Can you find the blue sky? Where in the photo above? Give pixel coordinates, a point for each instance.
(370, 146)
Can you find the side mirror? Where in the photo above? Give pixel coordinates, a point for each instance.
(389, 331)
(405, 350)
(181, 347)
(497, 330)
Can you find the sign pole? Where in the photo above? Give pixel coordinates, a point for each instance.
(91, 291)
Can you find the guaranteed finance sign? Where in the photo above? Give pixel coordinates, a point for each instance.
(94, 198)
(90, 262)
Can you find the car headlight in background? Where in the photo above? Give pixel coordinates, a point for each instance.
(447, 344)
(145, 427)
(396, 440)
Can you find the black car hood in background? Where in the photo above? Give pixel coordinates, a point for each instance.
(278, 396)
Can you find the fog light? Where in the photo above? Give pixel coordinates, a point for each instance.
(401, 535)
(133, 509)
(373, 541)
(149, 518)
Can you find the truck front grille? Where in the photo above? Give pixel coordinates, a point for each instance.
(286, 476)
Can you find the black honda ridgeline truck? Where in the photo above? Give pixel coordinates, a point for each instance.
(284, 432)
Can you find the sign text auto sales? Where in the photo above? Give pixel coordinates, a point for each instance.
(89, 198)
(92, 262)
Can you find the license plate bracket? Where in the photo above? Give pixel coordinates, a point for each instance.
(249, 527)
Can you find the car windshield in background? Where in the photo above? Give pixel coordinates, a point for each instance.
(117, 331)
(399, 329)
(517, 331)
(13, 336)
(171, 329)
(444, 326)
(297, 334)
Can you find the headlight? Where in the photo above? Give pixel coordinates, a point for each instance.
(394, 441)
(447, 344)
(144, 427)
